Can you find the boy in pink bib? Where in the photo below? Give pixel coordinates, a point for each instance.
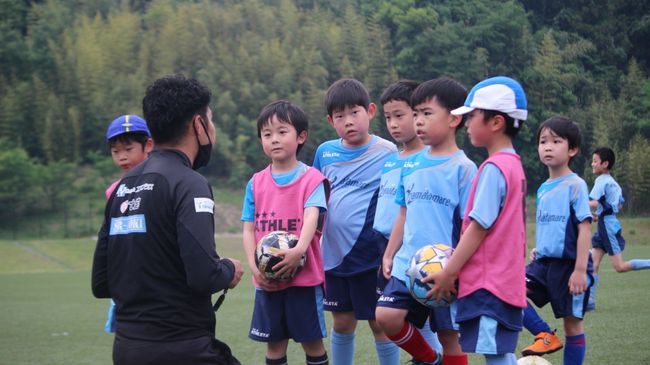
(289, 196)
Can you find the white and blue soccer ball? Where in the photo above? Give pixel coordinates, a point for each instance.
(428, 259)
(266, 253)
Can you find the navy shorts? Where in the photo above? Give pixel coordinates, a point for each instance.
(356, 294)
(396, 295)
(547, 281)
(609, 239)
(295, 312)
(487, 325)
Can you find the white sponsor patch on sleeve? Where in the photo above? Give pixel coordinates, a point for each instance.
(204, 205)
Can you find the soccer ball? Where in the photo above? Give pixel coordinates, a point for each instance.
(428, 259)
(533, 360)
(266, 253)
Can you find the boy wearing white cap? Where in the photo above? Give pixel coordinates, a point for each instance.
(489, 260)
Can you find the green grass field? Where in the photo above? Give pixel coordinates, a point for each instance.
(49, 315)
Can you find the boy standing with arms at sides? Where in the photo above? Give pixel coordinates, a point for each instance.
(130, 143)
(287, 191)
(605, 198)
(489, 260)
(432, 194)
(561, 271)
(398, 113)
(351, 255)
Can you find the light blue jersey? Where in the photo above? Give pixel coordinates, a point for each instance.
(562, 204)
(387, 208)
(316, 199)
(348, 242)
(609, 196)
(434, 190)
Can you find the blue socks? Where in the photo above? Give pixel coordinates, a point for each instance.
(505, 359)
(533, 322)
(575, 349)
(640, 264)
(342, 346)
(387, 353)
(431, 338)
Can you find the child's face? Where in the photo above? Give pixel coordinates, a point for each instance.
(352, 124)
(126, 155)
(434, 124)
(280, 140)
(598, 167)
(554, 150)
(478, 131)
(399, 120)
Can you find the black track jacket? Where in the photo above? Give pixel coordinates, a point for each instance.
(155, 253)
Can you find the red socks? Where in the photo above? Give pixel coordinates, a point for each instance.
(412, 342)
(455, 359)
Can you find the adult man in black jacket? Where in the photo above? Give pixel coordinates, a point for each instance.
(155, 253)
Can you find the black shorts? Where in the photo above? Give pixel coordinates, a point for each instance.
(197, 351)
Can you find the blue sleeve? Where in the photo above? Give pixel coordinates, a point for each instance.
(598, 190)
(317, 198)
(464, 190)
(489, 196)
(248, 210)
(580, 203)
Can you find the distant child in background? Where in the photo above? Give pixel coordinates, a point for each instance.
(395, 101)
(287, 190)
(432, 194)
(606, 198)
(561, 272)
(489, 260)
(130, 143)
(353, 164)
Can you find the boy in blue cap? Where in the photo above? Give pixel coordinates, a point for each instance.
(130, 143)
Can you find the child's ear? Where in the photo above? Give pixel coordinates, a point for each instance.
(455, 120)
(498, 122)
(372, 109)
(573, 151)
(148, 146)
(302, 137)
(330, 120)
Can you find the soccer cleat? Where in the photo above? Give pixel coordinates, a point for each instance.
(437, 361)
(545, 343)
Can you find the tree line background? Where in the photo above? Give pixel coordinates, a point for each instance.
(67, 68)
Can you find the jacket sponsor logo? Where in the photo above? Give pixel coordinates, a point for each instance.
(123, 190)
(129, 224)
(130, 204)
(204, 205)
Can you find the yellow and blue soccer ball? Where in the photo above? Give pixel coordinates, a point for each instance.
(428, 259)
(266, 253)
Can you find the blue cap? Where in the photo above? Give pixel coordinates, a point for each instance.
(498, 93)
(127, 124)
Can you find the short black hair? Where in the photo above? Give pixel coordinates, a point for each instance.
(563, 127)
(170, 103)
(606, 154)
(511, 130)
(125, 138)
(448, 92)
(346, 93)
(285, 112)
(399, 91)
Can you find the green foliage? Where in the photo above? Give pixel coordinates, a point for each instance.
(68, 68)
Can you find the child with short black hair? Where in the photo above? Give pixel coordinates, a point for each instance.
(353, 163)
(130, 143)
(606, 199)
(489, 260)
(432, 194)
(287, 190)
(561, 270)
